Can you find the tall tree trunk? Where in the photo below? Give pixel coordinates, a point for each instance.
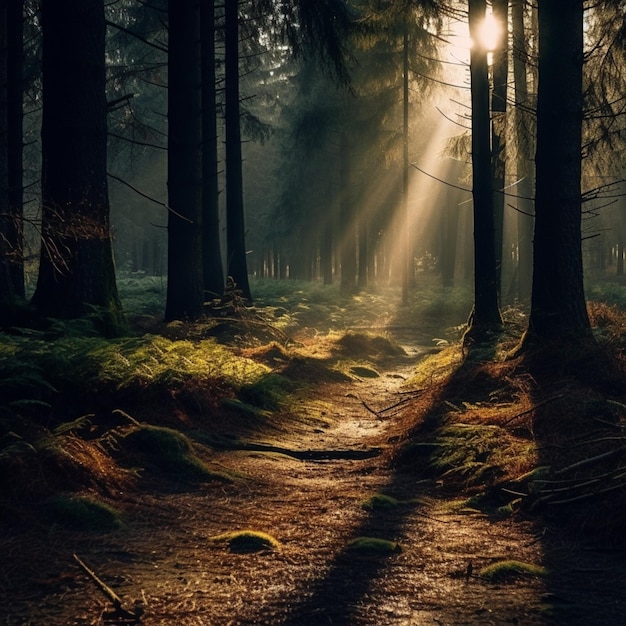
(184, 166)
(76, 265)
(237, 267)
(525, 170)
(407, 265)
(15, 144)
(213, 271)
(486, 314)
(500, 75)
(558, 308)
(7, 296)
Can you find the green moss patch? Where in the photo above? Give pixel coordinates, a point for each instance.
(508, 570)
(82, 513)
(381, 502)
(243, 541)
(170, 452)
(364, 372)
(373, 546)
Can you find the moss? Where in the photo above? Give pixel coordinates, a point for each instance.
(364, 372)
(243, 541)
(82, 513)
(171, 452)
(268, 392)
(380, 502)
(503, 571)
(373, 546)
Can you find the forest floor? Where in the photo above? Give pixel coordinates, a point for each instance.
(360, 537)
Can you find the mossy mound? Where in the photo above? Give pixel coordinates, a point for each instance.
(244, 541)
(381, 502)
(365, 345)
(373, 546)
(168, 451)
(362, 371)
(82, 513)
(508, 570)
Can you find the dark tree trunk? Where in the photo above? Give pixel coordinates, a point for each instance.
(237, 267)
(407, 256)
(525, 171)
(184, 284)
(7, 295)
(15, 89)
(498, 130)
(558, 308)
(486, 314)
(213, 271)
(76, 266)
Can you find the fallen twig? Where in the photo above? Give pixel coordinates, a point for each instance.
(532, 408)
(120, 615)
(590, 460)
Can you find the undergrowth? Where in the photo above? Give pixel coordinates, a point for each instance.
(478, 425)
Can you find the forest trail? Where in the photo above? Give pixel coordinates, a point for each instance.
(315, 503)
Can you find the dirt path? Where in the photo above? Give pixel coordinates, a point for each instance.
(165, 558)
(315, 507)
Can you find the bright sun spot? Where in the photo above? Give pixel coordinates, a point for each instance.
(490, 32)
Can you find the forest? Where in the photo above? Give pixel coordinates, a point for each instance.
(312, 312)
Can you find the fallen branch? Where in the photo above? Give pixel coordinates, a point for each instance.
(590, 494)
(120, 615)
(590, 460)
(533, 408)
(376, 413)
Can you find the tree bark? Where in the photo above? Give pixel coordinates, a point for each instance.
(237, 266)
(558, 308)
(525, 170)
(76, 265)
(500, 74)
(184, 168)
(15, 143)
(407, 256)
(213, 271)
(7, 295)
(486, 313)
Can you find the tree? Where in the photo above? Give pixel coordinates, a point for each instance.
(236, 265)
(213, 273)
(500, 74)
(558, 309)
(15, 87)
(184, 170)
(6, 286)
(486, 313)
(76, 262)
(524, 143)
